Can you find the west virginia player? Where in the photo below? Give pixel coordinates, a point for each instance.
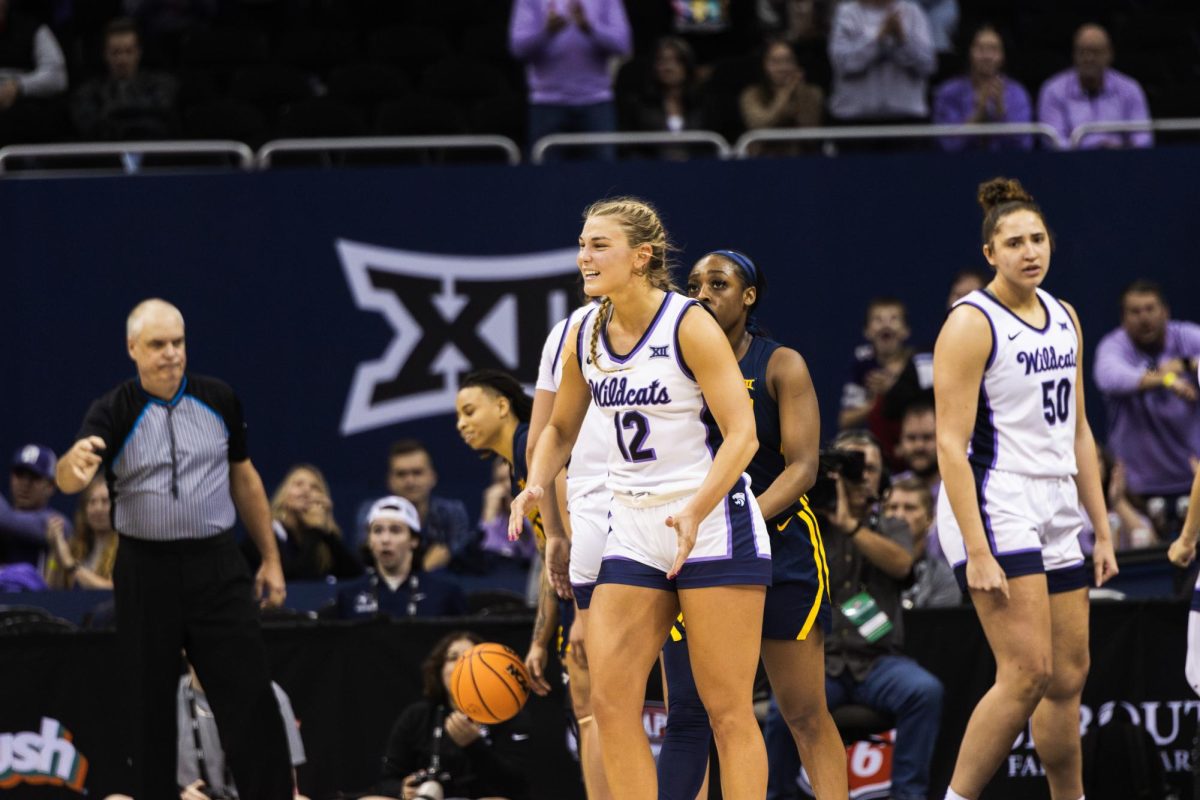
(685, 532)
(493, 413)
(797, 613)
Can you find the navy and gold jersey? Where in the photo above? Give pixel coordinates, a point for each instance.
(797, 552)
(520, 471)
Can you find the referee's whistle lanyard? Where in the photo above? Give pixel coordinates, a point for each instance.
(201, 762)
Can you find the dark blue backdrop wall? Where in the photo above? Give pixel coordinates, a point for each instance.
(339, 349)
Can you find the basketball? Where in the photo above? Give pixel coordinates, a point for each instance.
(490, 683)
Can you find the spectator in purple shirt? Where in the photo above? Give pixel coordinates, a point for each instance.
(1092, 91)
(566, 46)
(1147, 371)
(24, 524)
(984, 94)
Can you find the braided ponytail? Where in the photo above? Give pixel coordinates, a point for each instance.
(601, 312)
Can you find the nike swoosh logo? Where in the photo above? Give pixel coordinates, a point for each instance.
(784, 525)
(1014, 335)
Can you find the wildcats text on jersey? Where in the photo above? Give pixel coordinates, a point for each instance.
(1045, 360)
(612, 392)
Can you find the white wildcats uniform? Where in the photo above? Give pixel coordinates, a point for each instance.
(588, 498)
(662, 443)
(1023, 449)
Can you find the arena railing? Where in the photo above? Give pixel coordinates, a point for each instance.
(877, 132)
(1190, 124)
(130, 153)
(268, 151)
(564, 140)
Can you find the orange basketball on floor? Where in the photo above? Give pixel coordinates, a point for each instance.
(490, 683)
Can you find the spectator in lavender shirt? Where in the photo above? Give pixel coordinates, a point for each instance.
(1147, 371)
(24, 525)
(984, 94)
(1092, 91)
(566, 46)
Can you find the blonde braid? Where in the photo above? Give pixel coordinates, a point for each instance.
(605, 307)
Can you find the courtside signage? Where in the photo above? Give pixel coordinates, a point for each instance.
(47, 758)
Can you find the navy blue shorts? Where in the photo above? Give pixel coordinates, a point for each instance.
(798, 597)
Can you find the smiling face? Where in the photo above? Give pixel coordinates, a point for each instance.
(606, 260)
(718, 284)
(1020, 249)
(299, 490)
(987, 54)
(481, 417)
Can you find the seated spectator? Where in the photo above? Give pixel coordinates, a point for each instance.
(446, 531)
(669, 102)
(567, 47)
(917, 449)
(32, 70)
(965, 282)
(433, 739)
(984, 94)
(882, 56)
(396, 585)
(87, 559)
(1092, 91)
(933, 583)
(885, 377)
(1146, 370)
(781, 99)
(128, 103)
(310, 541)
(25, 525)
(1130, 528)
(869, 565)
(497, 498)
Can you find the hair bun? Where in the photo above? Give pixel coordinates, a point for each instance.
(998, 191)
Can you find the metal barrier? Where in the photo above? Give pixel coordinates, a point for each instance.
(718, 142)
(241, 152)
(1139, 126)
(867, 132)
(359, 143)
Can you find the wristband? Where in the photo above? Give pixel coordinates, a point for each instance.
(1168, 380)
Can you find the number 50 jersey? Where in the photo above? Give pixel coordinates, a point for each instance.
(663, 436)
(1025, 421)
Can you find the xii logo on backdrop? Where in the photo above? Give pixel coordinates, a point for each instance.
(449, 315)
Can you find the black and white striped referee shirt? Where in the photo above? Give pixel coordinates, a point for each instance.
(167, 462)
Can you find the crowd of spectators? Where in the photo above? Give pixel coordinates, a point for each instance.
(234, 69)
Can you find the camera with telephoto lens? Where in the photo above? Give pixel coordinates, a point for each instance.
(846, 463)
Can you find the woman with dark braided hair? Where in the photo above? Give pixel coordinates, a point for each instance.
(797, 612)
(1017, 457)
(685, 531)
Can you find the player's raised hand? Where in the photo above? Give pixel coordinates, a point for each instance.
(522, 505)
(686, 529)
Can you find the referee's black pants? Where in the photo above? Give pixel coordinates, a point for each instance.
(197, 594)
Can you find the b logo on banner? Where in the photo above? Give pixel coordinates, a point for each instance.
(450, 314)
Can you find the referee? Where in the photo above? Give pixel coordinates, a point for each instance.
(173, 450)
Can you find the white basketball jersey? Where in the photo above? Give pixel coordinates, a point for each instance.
(661, 434)
(1026, 417)
(588, 468)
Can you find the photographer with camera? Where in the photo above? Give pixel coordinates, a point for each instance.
(435, 751)
(870, 559)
